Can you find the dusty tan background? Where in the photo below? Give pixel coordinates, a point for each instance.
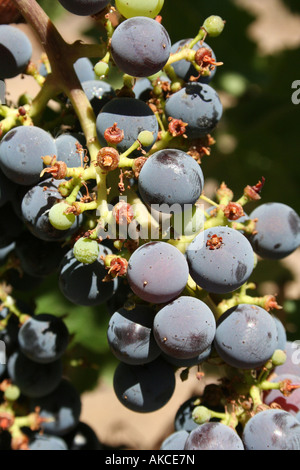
(114, 424)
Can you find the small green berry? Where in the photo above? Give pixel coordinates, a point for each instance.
(201, 414)
(58, 217)
(146, 138)
(86, 250)
(279, 357)
(214, 25)
(101, 69)
(12, 393)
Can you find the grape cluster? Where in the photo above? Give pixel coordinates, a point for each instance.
(109, 196)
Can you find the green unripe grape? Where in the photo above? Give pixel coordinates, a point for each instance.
(130, 8)
(146, 138)
(12, 393)
(101, 69)
(279, 357)
(86, 250)
(214, 25)
(201, 414)
(59, 219)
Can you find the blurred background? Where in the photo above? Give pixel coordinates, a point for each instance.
(257, 137)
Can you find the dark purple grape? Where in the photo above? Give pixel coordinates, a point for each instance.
(289, 402)
(36, 259)
(220, 259)
(130, 335)
(213, 436)
(132, 116)
(34, 380)
(43, 338)
(15, 51)
(272, 430)
(35, 209)
(184, 328)
(142, 89)
(7, 188)
(281, 332)
(82, 284)
(140, 46)
(184, 69)
(144, 388)
(61, 407)
(21, 152)
(84, 69)
(11, 227)
(175, 441)
(67, 150)
(84, 7)
(83, 437)
(170, 180)
(198, 105)
(98, 93)
(157, 272)
(194, 361)
(246, 336)
(46, 442)
(277, 231)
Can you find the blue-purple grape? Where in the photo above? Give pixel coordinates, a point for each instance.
(43, 338)
(287, 401)
(213, 436)
(7, 189)
(184, 328)
(21, 152)
(171, 179)
(83, 437)
(140, 46)
(82, 284)
(144, 388)
(185, 69)
(61, 407)
(175, 441)
(35, 208)
(277, 230)
(34, 256)
(157, 272)
(84, 7)
(198, 105)
(15, 51)
(246, 336)
(220, 259)
(11, 227)
(34, 380)
(67, 149)
(46, 442)
(281, 333)
(132, 116)
(98, 93)
(272, 430)
(130, 335)
(84, 69)
(194, 361)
